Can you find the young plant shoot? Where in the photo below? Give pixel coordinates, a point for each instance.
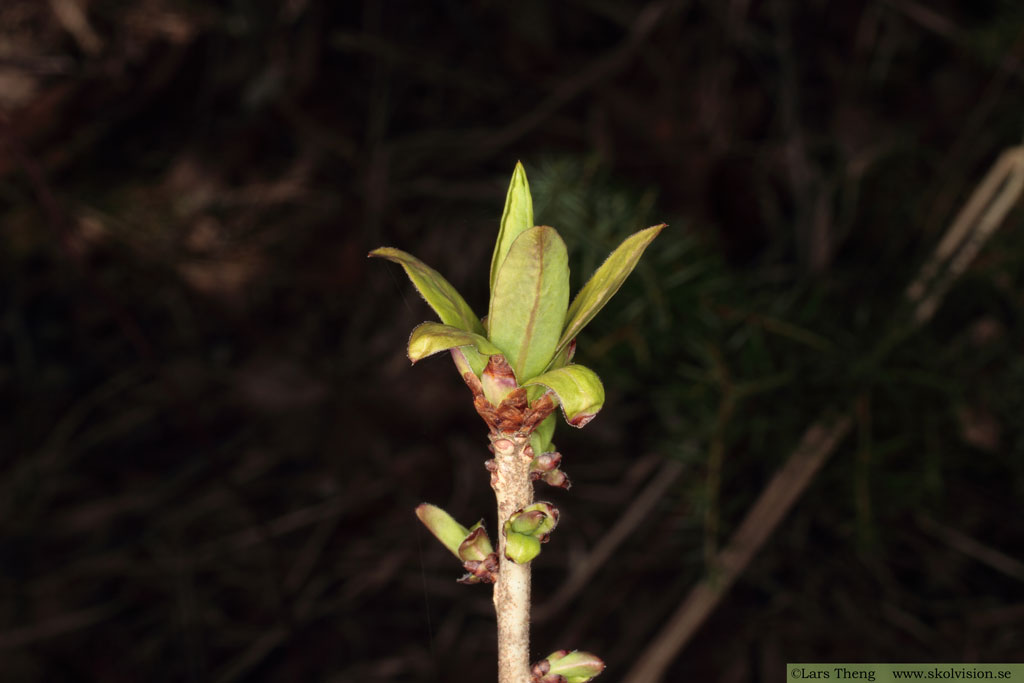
(517, 362)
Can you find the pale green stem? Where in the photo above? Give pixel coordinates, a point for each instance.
(514, 491)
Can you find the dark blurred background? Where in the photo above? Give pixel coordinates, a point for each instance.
(212, 442)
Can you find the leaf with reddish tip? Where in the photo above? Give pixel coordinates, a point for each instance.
(604, 283)
(443, 526)
(529, 301)
(573, 667)
(516, 219)
(446, 301)
(463, 363)
(579, 390)
(430, 338)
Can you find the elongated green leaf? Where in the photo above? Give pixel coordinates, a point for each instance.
(446, 301)
(575, 666)
(443, 526)
(540, 440)
(579, 390)
(529, 301)
(516, 219)
(605, 281)
(430, 338)
(468, 359)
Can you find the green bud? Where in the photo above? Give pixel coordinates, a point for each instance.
(521, 548)
(564, 666)
(527, 522)
(526, 529)
(545, 462)
(476, 546)
(557, 478)
(472, 545)
(537, 520)
(497, 379)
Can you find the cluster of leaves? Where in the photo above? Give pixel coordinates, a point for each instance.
(517, 361)
(530, 321)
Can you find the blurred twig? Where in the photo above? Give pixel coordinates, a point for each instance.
(963, 543)
(785, 488)
(983, 213)
(979, 218)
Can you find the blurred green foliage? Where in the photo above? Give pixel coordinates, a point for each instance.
(742, 359)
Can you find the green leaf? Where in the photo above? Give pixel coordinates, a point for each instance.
(516, 219)
(540, 440)
(443, 526)
(575, 666)
(468, 359)
(605, 281)
(446, 301)
(579, 390)
(430, 338)
(529, 300)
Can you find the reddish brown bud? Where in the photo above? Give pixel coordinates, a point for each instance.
(557, 478)
(497, 379)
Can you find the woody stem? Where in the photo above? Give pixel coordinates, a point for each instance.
(514, 491)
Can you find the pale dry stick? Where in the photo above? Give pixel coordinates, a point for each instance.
(584, 568)
(778, 497)
(980, 217)
(996, 559)
(72, 17)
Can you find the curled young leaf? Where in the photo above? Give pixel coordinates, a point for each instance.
(430, 338)
(529, 300)
(446, 301)
(516, 219)
(604, 283)
(579, 390)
